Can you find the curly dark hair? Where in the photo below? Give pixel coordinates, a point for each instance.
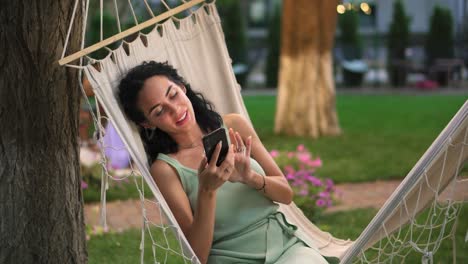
(131, 85)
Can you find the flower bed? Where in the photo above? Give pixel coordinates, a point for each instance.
(312, 193)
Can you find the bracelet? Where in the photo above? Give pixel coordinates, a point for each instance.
(263, 186)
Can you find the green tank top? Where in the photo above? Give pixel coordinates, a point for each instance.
(248, 227)
(238, 206)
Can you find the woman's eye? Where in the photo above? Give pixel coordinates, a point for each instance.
(174, 94)
(159, 111)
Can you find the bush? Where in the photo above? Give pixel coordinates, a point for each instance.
(312, 194)
(351, 45)
(234, 27)
(398, 38)
(440, 39)
(109, 25)
(464, 42)
(274, 40)
(351, 42)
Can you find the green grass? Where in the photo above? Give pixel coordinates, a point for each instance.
(116, 191)
(383, 135)
(350, 224)
(124, 247)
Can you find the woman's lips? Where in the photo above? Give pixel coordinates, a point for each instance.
(183, 119)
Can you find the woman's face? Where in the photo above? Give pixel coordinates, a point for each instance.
(165, 105)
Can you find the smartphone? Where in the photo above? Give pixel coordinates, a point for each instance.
(211, 140)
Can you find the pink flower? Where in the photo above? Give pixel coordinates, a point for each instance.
(303, 157)
(304, 192)
(309, 177)
(315, 181)
(84, 185)
(289, 169)
(300, 148)
(324, 194)
(299, 169)
(320, 203)
(274, 153)
(297, 182)
(315, 163)
(329, 183)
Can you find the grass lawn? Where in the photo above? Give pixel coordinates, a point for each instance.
(124, 247)
(350, 224)
(117, 191)
(383, 135)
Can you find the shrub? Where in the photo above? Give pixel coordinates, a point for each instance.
(351, 45)
(311, 192)
(109, 28)
(440, 39)
(398, 38)
(234, 27)
(274, 40)
(464, 42)
(351, 42)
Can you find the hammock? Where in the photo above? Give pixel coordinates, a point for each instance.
(195, 47)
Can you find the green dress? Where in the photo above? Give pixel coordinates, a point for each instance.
(248, 226)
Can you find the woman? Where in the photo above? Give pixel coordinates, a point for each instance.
(228, 213)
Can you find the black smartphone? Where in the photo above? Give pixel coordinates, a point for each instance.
(209, 143)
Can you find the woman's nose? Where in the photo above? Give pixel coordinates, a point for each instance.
(174, 109)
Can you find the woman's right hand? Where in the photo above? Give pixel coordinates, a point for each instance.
(210, 176)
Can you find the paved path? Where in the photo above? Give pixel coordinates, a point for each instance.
(127, 214)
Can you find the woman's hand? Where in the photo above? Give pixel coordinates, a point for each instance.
(210, 176)
(241, 157)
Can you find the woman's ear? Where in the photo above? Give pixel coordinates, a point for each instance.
(145, 124)
(184, 89)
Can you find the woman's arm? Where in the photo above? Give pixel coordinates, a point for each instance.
(276, 186)
(199, 227)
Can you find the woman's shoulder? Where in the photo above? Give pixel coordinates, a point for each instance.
(161, 169)
(235, 121)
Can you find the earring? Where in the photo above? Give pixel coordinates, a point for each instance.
(149, 132)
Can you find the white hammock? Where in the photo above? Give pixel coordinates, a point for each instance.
(197, 50)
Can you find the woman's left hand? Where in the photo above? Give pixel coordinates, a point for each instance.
(241, 157)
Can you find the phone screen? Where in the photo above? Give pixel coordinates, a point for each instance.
(210, 141)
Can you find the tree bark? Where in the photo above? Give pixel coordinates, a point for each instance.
(306, 90)
(41, 205)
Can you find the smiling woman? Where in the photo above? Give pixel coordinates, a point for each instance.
(227, 212)
(155, 97)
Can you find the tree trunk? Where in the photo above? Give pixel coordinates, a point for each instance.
(41, 212)
(306, 92)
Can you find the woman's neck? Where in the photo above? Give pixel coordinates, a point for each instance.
(191, 139)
